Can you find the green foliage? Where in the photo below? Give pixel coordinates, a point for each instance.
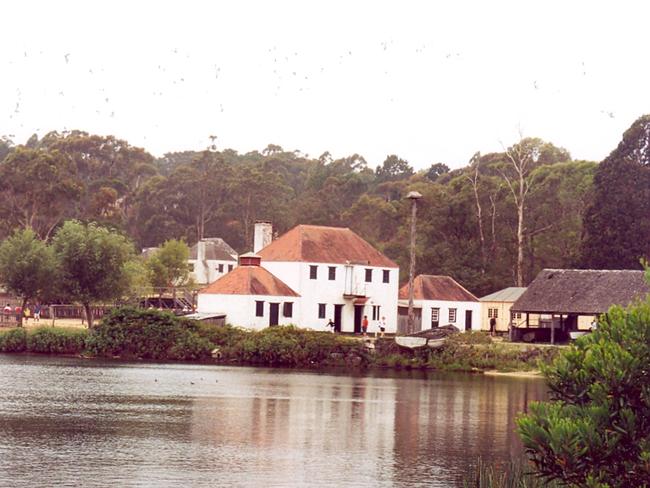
(13, 340)
(57, 340)
(617, 229)
(27, 265)
(92, 263)
(596, 431)
(511, 475)
(168, 265)
(147, 334)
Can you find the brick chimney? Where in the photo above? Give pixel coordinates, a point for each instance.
(263, 235)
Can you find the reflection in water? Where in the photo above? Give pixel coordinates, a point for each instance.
(69, 422)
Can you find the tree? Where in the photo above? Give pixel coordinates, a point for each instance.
(39, 188)
(595, 432)
(27, 266)
(393, 168)
(617, 229)
(436, 170)
(168, 265)
(520, 160)
(92, 262)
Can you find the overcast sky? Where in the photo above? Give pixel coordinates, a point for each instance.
(429, 81)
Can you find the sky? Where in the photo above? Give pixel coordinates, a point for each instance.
(428, 81)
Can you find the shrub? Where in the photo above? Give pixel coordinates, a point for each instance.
(14, 340)
(147, 334)
(595, 431)
(52, 340)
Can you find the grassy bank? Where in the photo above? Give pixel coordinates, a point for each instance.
(149, 334)
(514, 474)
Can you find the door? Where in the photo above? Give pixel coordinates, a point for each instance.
(274, 314)
(338, 311)
(358, 316)
(468, 320)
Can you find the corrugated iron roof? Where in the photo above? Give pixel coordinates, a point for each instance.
(319, 244)
(510, 294)
(216, 249)
(435, 287)
(249, 280)
(581, 291)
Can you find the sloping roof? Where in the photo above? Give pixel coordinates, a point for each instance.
(510, 294)
(319, 244)
(249, 280)
(581, 291)
(216, 249)
(433, 287)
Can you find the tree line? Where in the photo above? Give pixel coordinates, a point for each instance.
(493, 223)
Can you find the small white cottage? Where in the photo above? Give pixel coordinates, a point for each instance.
(440, 300)
(250, 296)
(210, 259)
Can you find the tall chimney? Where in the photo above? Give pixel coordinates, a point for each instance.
(263, 235)
(201, 267)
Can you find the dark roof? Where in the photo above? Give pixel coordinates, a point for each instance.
(510, 294)
(249, 280)
(216, 249)
(431, 287)
(319, 244)
(580, 291)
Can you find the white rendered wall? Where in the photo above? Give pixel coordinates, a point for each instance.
(199, 273)
(444, 307)
(330, 292)
(240, 309)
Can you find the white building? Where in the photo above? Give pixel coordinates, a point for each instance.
(338, 275)
(250, 296)
(210, 259)
(440, 300)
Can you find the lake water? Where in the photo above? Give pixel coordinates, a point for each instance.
(74, 422)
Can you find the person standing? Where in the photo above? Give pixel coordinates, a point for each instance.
(382, 327)
(364, 326)
(493, 326)
(332, 326)
(37, 312)
(27, 313)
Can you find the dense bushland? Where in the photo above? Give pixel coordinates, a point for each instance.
(49, 340)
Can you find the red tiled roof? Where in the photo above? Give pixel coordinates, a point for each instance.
(249, 280)
(319, 244)
(430, 287)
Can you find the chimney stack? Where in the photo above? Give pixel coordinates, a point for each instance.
(263, 235)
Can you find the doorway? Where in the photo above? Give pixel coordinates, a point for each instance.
(358, 316)
(338, 312)
(274, 314)
(468, 320)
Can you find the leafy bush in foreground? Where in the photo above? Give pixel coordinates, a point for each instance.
(13, 340)
(596, 430)
(52, 340)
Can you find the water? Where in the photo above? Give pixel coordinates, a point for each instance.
(74, 422)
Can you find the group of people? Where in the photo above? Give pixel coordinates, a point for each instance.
(17, 312)
(381, 326)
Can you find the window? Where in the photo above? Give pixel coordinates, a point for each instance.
(287, 309)
(321, 310)
(452, 315)
(368, 275)
(220, 268)
(386, 278)
(230, 266)
(515, 315)
(259, 309)
(313, 272)
(190, 266)
(493, 313)
(376, 312)
(435, 317)
(331, 273)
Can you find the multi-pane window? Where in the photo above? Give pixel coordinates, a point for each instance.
(452, 315)
(386, 278)
(220, 268)
(435, 317)
(331, 273)
(515, 315)
(313, 272)
(259, 309)
(287, 309)
(321, 310)
(376, 312)
(230, 266)
(368, 275)
(493, 313)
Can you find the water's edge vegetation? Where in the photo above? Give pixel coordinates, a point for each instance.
(131, 333)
